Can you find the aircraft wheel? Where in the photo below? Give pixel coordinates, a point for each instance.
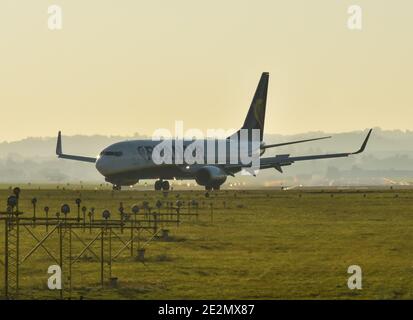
(116, 187)
(165, 185)
(217, 187)
(158, 185)
(208, 188)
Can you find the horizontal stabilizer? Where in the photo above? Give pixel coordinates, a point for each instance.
(266, 146)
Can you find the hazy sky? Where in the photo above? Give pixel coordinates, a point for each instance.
(120, 67)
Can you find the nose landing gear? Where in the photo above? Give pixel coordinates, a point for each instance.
(162, 185)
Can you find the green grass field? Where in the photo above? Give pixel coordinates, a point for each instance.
(261, 245)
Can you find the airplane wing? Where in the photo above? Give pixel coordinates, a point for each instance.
(279, 161)
(60, 154)
(282, 160)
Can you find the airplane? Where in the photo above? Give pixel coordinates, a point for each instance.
(127, 162)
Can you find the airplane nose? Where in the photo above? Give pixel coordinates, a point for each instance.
(100, 165)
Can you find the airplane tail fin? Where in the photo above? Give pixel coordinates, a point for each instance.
(256, 114)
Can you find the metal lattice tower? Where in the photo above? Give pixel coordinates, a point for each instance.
(12, 256)
(66, 258)
(72, 246)
(106, 254)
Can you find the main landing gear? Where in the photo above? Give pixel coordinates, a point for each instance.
(162, 185)
(209, 188)
(116, 187)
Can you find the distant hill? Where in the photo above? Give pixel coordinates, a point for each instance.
(388, 159)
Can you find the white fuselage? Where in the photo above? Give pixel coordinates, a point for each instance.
(127, 162)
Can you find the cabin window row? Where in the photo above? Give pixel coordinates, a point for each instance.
(146, 152)
(112, 153)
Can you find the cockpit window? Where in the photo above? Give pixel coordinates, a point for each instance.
(112, 153)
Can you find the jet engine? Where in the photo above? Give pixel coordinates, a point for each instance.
(210, 176)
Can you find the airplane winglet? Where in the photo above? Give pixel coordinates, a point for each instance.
(363, 146)
(59, 144)
(60, 153)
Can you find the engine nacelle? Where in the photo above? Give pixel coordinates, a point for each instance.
(210, 176)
